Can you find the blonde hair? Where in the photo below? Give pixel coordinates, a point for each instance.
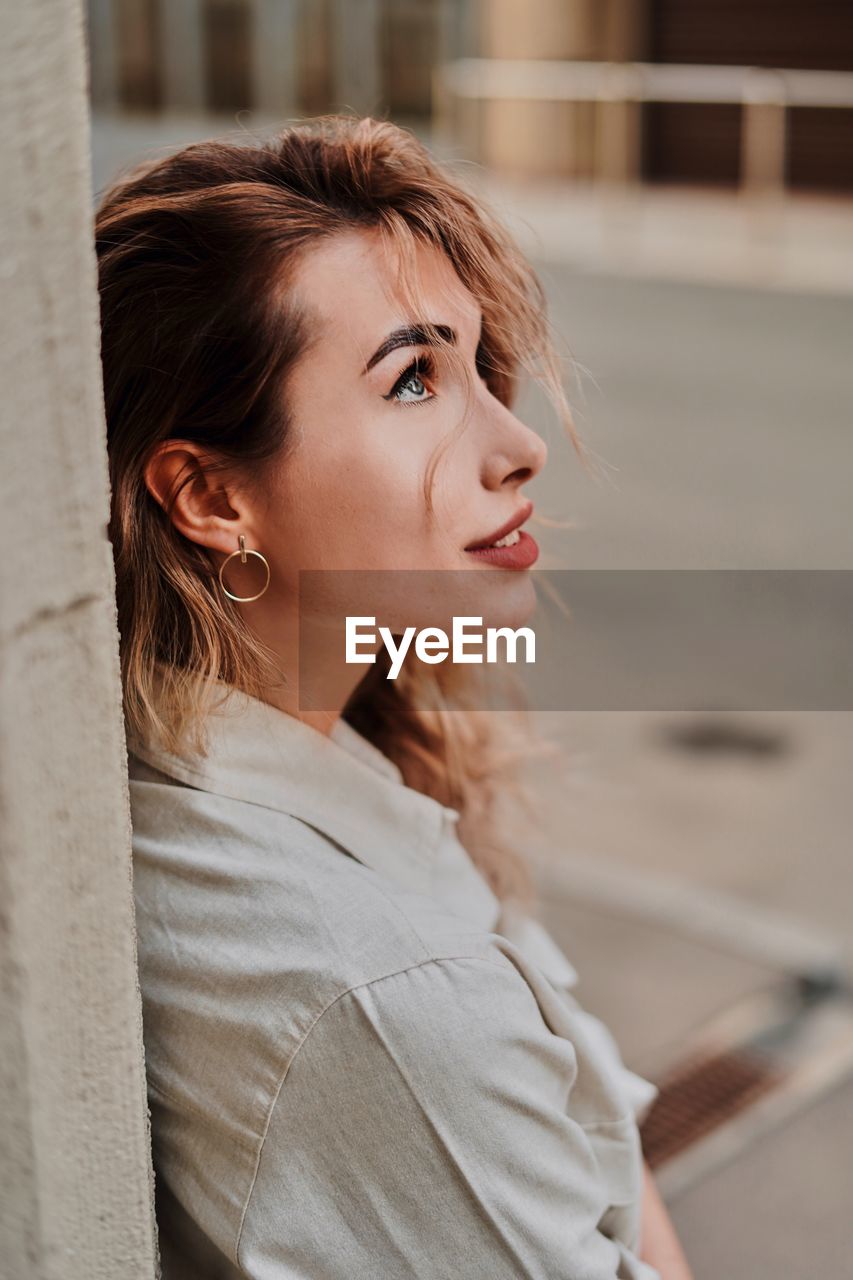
(197, 345)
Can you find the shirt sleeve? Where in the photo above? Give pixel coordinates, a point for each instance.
(640, 1093)
(531, 936)
(421, 1131)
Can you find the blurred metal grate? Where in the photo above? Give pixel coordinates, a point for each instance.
(701, 1094)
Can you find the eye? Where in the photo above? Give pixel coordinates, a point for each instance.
(411, 381)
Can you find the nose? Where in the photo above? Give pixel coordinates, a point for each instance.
(514, 455)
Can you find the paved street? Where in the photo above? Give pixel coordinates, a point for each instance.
(723, 417)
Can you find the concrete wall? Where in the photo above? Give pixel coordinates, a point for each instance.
(74, 1143)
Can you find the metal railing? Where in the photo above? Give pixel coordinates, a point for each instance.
(765, 96)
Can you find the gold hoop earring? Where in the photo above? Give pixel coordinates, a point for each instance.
(242, 553)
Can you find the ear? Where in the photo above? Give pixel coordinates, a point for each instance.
(198, 494)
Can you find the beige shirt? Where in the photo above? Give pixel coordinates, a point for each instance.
(361, 1065)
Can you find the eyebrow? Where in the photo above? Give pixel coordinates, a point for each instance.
(413, 335)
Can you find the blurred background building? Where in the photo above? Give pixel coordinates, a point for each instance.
(303, 56)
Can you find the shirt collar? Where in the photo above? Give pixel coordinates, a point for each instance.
(341, 785)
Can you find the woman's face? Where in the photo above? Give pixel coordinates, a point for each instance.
(350, 494)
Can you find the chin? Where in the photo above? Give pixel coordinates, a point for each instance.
(501, 597)
(515, 599)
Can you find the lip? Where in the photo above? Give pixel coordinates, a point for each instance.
(521, 556)
(513, 523)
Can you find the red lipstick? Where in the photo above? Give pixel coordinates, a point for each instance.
(516, 553)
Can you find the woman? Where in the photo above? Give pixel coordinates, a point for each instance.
(364, 1058)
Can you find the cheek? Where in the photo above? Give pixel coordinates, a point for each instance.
(354, 499)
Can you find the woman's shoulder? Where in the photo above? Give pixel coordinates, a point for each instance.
(276, 880)
(251, 921)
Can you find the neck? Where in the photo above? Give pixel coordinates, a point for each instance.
(319, 682)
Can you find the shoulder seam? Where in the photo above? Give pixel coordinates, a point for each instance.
(357, 986)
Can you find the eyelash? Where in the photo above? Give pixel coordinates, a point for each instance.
(423, 365)
(426, 366)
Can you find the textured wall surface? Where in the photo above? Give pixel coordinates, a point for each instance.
(74, 1144)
